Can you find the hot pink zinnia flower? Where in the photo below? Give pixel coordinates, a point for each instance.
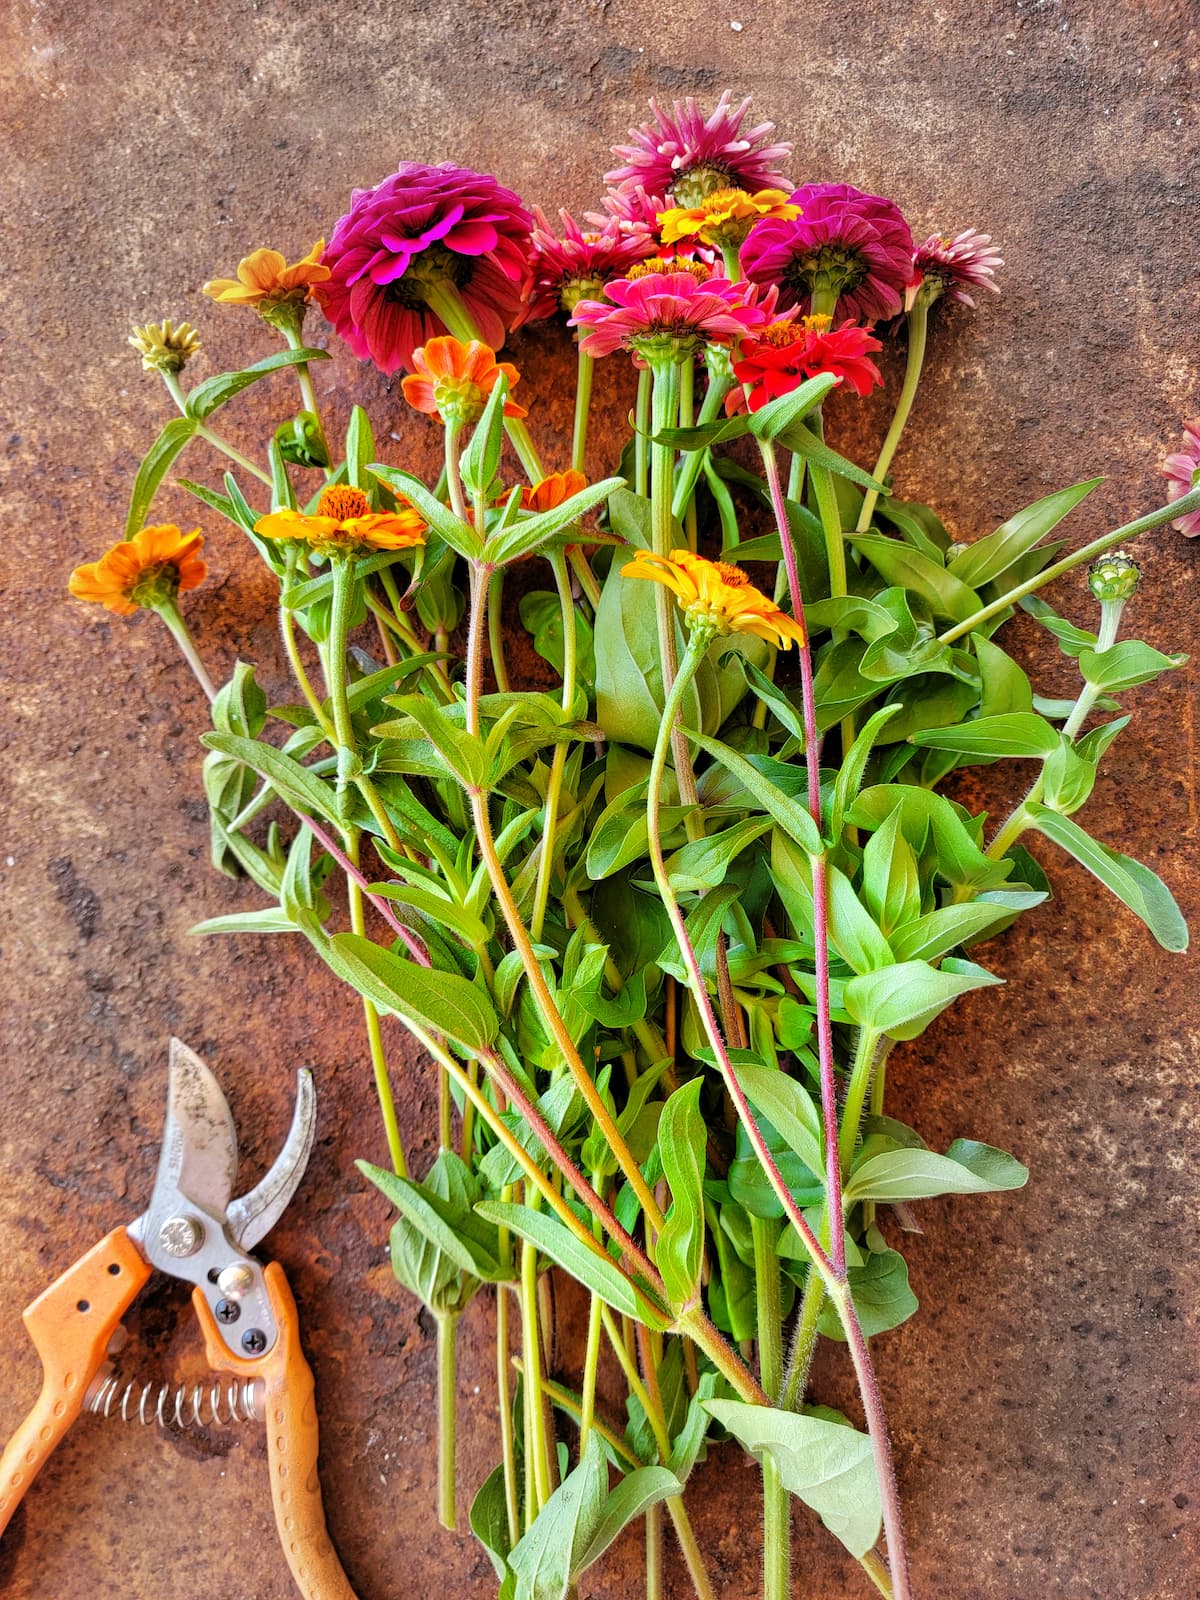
(952, 266)
(852, 251)
(682, 154)
(1183, 471)
(425, 227)
(669, 314)
(633, 208)
(577, 266)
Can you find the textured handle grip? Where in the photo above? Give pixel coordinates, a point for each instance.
(292, 1444)
(70, 1325)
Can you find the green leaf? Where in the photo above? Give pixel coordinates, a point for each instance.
(594, 1270)
(213, 393)
(903, 1000)
(1067, 778)
(444, 1002)
(632, 1498)
(890, 885)
(703, 863)
(986, 559)
(156, 463)
(966, 1168)
(853, 932)
(788, 410)
(1005, 686)
(269, 920)
(1071, 640)
(799, 438)
(458, 535)
(792, 817)
(945, 928)
(679, 1254)
(881, 1295)
(481, 459)
(489, 1521)
(1143, 891)
(788, 1107)
(850, 777)
(898, 563)
(442, 1209)
(462, 752)
(827, 1465)
(1125, 665)
(706, 434)
(360, 448)
(294, 784)
(1014, 734)
(530, 532)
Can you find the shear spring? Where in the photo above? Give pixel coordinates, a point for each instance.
(180, 1406)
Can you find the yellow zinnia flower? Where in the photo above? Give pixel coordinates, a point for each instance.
(345, 525)
(265, 280)
(725, 217)
(717, 596)
(150, 569)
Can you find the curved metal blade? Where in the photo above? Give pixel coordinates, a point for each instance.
(199, 1152)
(253, 1216)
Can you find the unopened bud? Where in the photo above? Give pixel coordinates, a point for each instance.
(1114, 576)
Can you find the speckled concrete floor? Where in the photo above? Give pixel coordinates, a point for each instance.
(1042, 1402)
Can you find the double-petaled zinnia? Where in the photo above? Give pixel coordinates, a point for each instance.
(452, 380)
(345, 525)
(149, 570)
(717, 598)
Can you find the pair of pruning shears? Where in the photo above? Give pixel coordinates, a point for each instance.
(193, 1229)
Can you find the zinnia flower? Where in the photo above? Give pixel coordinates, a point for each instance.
(780, 357)
(577, 266)
(164, 348)
(1183, 472)
(452, 381)
(553, 490)
(685, 156)
(266, 282)
(151, 569)
(725, 217)
(633, 209)
(345, 525)
(849, 250)
(427, 236)
(945, 266)
(717, 597)
(668, 313)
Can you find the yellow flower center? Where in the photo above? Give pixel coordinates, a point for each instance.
(659, 264)
(342, 502)
(818, 323)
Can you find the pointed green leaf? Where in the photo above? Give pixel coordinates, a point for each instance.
(155, 465)
(458, 535)
(1013, 734)
(213, 393)
(679, 1254)
(444, 1002)
(792, 817)
(903, 1000)
(898, 563)
(1125, 665)
(966, 1168)
(988, 558)
(789, 410)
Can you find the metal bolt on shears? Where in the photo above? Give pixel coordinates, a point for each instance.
(194, 1230)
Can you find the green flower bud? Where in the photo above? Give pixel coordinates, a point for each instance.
(300, 441)
(1114, 576)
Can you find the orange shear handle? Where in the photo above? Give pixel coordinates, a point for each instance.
(70, 1324)
(292, 1443)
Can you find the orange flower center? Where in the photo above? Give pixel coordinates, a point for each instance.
(342, 502)
(659, 264)
(778, 334)
(733, 576)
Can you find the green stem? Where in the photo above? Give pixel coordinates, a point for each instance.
(1108, 541)
(173, 617)
(508, 1443)
(591, 1368)
(558, 762)
(175, 389)
(856, 1093)
(349, 765)
(383, 1083)
(687, 381)
(537, 1464)
(292, 333)
(654, 1553)
(447, 1340)
(583, 403)
(918, 326)
(804, 1341)
(777, 1521)
(287, 628)
(496, 632)
(693, 460)
(641, 423)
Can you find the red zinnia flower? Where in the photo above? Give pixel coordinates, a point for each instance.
(852, 250)
(780, 358)
(425, 233)
(686, 156)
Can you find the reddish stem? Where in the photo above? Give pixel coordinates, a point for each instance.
(414, 946)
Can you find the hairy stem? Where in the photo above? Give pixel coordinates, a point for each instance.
(918, 325)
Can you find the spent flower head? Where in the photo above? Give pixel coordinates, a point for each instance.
(426, 240)
(452, 380)
(344, 525)
(952, 267)
(717, 598)
(164, 347)
(683, 154)
(1182, 471)
(150, 570)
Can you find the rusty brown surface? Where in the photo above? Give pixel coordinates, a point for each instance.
(1043, 1401)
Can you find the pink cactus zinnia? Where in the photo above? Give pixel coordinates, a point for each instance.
(952, 266)
(670, 314)
(576, 266)
(1183, 472)
(633, 208)
(425, 228)
(686, 155)
(847, 254)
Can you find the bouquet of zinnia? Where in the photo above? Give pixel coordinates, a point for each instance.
(658, 904)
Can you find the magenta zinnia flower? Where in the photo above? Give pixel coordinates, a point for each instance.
(577, 266)
(670, 314)
(419, 231)
(953, 266)
(1183, 471)
(634, 209)
(682, 154)
(846, 251)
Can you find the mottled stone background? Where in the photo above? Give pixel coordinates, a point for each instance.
(1043, 1402)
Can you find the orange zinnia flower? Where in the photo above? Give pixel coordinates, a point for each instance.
(150, 569)
(345, 524)
(452, 380)
(265, 279)
(717, 596)
(552, 491)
